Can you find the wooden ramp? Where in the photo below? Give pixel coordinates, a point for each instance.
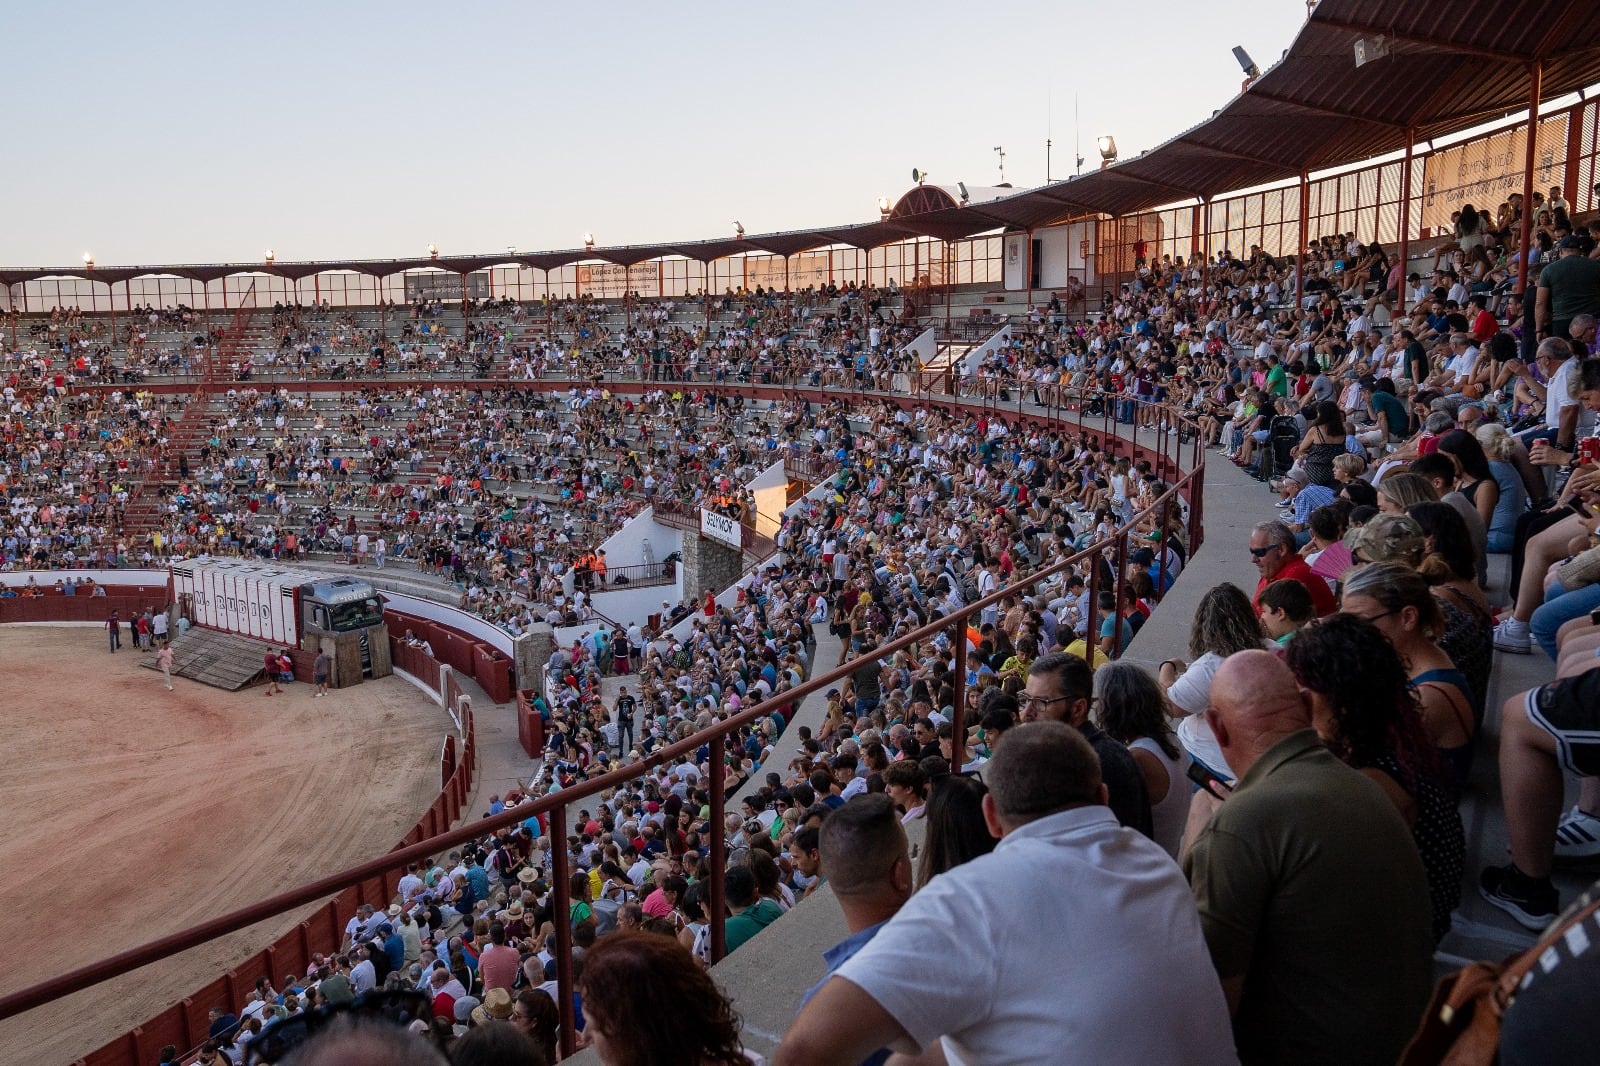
(223, 660)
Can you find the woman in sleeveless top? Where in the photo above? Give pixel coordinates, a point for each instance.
(1397, 601)
(1323, 443)
(1450, 569)
(1133, 710)
(1475, 480)
(1364, 710)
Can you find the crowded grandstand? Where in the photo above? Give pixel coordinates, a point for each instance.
(980, 646)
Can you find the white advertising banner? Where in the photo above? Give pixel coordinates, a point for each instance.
(720, 527)
(608, 280)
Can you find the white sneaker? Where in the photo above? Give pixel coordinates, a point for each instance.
(1578, 836)
(1511, 635)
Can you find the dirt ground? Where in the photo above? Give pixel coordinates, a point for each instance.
(130, 812)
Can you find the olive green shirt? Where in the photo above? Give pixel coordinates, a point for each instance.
(1309, 884)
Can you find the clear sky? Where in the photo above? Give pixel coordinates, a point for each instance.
(190, 132)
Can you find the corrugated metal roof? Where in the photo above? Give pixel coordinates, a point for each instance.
(1452, 64)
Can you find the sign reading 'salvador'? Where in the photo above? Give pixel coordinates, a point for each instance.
(721, 528)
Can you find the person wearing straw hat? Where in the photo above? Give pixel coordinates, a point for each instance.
(496, 1007)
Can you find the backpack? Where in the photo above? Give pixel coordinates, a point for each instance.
(1461, 1026)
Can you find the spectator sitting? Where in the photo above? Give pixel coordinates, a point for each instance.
(1365, 711)
(1306, 983)
(1130, 904)
(1285, 607)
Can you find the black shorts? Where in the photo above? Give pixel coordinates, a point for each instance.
(1569, 710)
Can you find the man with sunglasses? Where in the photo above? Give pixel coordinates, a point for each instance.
(1272, 549)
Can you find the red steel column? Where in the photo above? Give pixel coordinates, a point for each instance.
(1405, 221)
(561, 872)
(717, 906)
(958, 705)
(1305, 239)
(1535, 85)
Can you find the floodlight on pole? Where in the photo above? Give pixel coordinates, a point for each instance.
(271, 257)
(883, 206)
(433, 251)
(738, 229)
(588, 242)
(1108, 149)
(88, 260)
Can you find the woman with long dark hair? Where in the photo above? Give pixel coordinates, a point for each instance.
(957, 832)
(1475, 480)
(1470, 228)
(1397, 601)
(1449, 567)
(1324, 441)
(1133, 710)
(685, 1018)
(1365, 711)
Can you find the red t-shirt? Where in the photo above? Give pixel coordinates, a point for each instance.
(1296, 569)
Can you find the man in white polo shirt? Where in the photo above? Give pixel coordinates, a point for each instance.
(1107, 964)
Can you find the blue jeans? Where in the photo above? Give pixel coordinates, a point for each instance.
(1528, 436)
(1559, 608)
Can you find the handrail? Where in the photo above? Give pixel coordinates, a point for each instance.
(554, 806)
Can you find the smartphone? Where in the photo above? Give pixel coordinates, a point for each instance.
(1208, 780)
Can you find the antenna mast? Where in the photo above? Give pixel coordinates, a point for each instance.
(1077, 145)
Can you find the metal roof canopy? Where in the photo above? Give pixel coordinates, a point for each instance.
(1452, 64)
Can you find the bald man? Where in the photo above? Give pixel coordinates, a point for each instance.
(1312, 896)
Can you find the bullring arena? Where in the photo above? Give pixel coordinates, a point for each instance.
(132, 812)
(829, 500)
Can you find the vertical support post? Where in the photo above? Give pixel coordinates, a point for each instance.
(1161, 544)
(561, 870)
(1027, 266)
(958, 707)
(1091, 613)
(1535, 86)
(1122, 579)
(717, 902)
(1305, 240)
(1405, 221)
(1205, 264)
(1569, 172)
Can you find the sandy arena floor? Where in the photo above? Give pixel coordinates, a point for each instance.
(131, 812)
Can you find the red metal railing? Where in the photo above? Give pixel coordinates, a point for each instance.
(374, 880)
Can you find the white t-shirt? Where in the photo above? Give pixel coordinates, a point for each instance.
(973, 960)
(1190, 694)
(1559, 395)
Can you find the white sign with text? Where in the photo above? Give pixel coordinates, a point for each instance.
(720, 527)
